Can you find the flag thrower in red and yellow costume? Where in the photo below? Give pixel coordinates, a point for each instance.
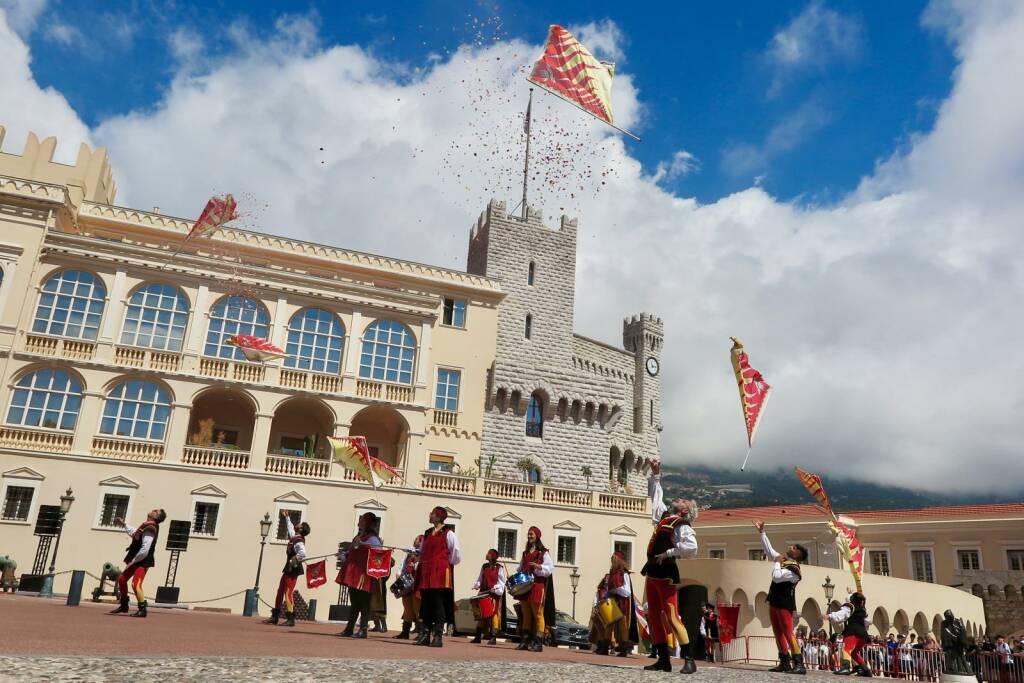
(754, 392)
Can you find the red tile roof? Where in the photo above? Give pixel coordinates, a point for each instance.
(804, 512)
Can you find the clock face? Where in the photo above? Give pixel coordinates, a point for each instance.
(652, 366)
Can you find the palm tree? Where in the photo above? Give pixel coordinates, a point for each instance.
(587, 473)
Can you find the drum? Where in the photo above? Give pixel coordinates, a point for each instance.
(608, 611)
(484, 606)
(402, 586)
(519, 584)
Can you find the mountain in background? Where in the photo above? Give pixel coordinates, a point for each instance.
(781, 487)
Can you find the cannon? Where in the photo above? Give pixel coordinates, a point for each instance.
(110, 572)
(7, 580)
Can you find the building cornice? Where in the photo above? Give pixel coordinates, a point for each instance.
(272, 246)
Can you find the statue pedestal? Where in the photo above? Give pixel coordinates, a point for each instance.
(957, 678)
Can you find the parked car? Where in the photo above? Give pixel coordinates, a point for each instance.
(568, 631)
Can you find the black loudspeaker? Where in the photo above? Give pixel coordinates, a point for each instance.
(177, 535)
(48, 520)
(167, 594)
(339, 612)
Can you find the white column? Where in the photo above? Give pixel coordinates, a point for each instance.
(198, 327)
(355, 344)
(260, 442)
(177, 432)
(115, 306)
(88, 424)
(277, 329)
(423, 357)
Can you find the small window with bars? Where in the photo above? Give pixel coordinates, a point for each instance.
(1015, 560)
(507, 543)
(878, 560)
(968, 560)
(716, 554)
(566, 550)
(282, 528)
(626, 548)
(755, 554)
(18, 502)
(204, 519)
(115, 505)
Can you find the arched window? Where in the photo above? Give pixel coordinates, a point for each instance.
(156, 318)
(234, 315)
(389, 351)
(315, 340)
(136, 409)
(535, 416)
(529, 325)
(70, 305)
(46, 398)
(530, 273)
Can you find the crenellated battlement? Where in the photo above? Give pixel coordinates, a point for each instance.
(90, 178)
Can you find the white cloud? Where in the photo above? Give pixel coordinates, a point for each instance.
(604, 39)
(681, 164)
(744, 159)
(59, 32)
(22, 15)
(812, 40)
(885, 322)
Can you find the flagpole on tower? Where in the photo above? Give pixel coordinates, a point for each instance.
(526, 160)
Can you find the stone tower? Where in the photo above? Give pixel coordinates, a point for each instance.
(644, 335)
(586, 391)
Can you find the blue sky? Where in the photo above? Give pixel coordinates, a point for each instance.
(837, 184)
(710, 75)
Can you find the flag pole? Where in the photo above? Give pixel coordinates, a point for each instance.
(744, 465)
(583, 109)
(526, 160)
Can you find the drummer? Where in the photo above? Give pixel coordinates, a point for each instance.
(491, 584)
(618, 631)
(536, 561)
(410, 599)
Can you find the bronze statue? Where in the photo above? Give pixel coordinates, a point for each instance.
(954, 642)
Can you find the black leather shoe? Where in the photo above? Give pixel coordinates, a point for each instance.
(689, 666)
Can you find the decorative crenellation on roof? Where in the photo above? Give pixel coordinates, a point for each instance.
(89, 178)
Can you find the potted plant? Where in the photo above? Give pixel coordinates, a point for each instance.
(526, 466)
(587, 474)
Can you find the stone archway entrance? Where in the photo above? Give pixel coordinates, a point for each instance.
(386, 432)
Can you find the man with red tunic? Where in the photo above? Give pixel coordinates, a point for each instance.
(139, 559)
(492, 582)
(296, 553)
(534, 606)
(434, 576)
(673, 538)
(360, 584)
(854, 615)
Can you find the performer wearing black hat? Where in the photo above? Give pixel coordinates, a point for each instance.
(293, 569)
(434, 576)
(139, 558)
(782, 601)
(855, 633)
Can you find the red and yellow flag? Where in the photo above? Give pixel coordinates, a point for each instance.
(218, 211)
(754, 391)
(378, 563)
(851, 547)
(813, 484)
(568, 70)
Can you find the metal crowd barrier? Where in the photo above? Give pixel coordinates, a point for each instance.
(903, 663)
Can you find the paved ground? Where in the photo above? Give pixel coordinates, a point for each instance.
(46, 640)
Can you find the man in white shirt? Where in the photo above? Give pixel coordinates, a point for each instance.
(782, 601)
(140, 558)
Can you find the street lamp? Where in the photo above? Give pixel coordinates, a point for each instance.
(830, 590)
(265, 525)
(65, 506)
(574, 578)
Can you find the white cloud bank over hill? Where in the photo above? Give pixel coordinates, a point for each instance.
(888, 323)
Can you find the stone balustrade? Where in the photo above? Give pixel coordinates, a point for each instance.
(379, 391)
(149, 359)
(71, 349)
(446, 418)
(298, 467)
(314, 381)
(215, 457)
(48, 440)
(126, 449)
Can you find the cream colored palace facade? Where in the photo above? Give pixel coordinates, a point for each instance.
(116, 383)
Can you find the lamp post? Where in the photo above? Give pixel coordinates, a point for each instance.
(574, 578)
(830, 590)
(265, 525)
(65, 506)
